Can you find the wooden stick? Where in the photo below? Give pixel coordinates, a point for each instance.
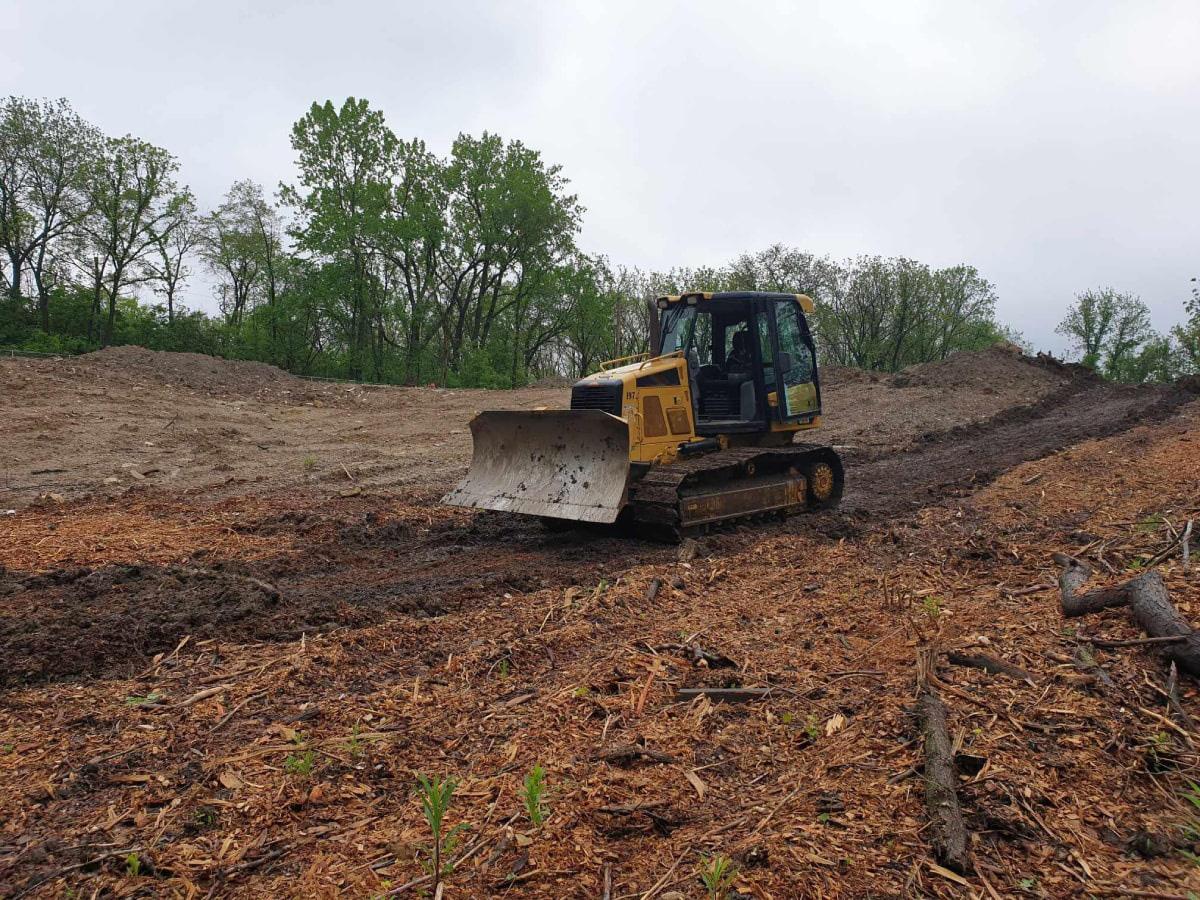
(1105, 644)
(606, 879)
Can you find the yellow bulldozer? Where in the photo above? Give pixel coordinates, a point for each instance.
(700, 431)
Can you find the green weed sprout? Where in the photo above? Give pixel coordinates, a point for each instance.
(717, 874)
(532, 795)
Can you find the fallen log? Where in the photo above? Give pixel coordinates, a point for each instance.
(941, 796)
(1153, 610)
(1073, 575)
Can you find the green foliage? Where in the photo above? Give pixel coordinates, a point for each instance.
(133, 865)
(532, 795)
(301, 764)
(355, 745)
(717, 874)
(399, 265)
(435, 794)
(932, 604)
(812, 727)
(1110, 331)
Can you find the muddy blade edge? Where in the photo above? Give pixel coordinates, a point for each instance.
(563, 464)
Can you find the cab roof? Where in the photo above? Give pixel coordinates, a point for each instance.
(805, 301)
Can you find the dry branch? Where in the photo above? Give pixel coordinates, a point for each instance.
(631, 752)
(989, 664)
(727, 695)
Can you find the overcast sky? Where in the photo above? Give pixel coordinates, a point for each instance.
(1053, 145)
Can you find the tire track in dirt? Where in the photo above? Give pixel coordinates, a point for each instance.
(965, 458)
(111, 620)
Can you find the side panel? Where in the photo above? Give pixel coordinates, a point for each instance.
(648, 400)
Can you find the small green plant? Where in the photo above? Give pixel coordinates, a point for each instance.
(581, 691)
(1027, 884)
(309, 463)
(206, 818)
(812, 727)
(143, 699)
(301, 764)
(823, 818)
(503, 670)
(1136, 565)
(356, 745)
(8, 748)
(133, 865)
(717, 874)
(532, 795)
(1191, 828)
(787, 718)
(932, 605)
(435, 794)
(1149, 524)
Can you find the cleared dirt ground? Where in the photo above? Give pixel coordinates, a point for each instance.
(233, 623)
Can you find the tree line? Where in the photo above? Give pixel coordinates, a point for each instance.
(388, 262)
(1110, 331)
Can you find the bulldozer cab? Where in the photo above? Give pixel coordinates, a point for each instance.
(750, 359)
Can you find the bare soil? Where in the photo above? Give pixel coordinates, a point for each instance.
(234, 621)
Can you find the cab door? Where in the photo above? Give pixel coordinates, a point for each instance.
(795, 365)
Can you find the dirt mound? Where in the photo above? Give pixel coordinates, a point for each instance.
(947, 463)
(199, 373)
(865, 411)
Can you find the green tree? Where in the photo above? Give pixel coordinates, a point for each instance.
(346, 158)
(1111, 332)
(1187, 335)
(45, 152)
(241, 242)
(174, 240)
(135, 202)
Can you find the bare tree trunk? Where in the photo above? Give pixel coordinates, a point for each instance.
(97, 288)
(14, 286)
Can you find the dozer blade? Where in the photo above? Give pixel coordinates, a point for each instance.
(563, 464)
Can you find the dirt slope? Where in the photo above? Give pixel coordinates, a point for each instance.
(101, 423)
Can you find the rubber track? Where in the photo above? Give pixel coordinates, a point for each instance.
(656, 497)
